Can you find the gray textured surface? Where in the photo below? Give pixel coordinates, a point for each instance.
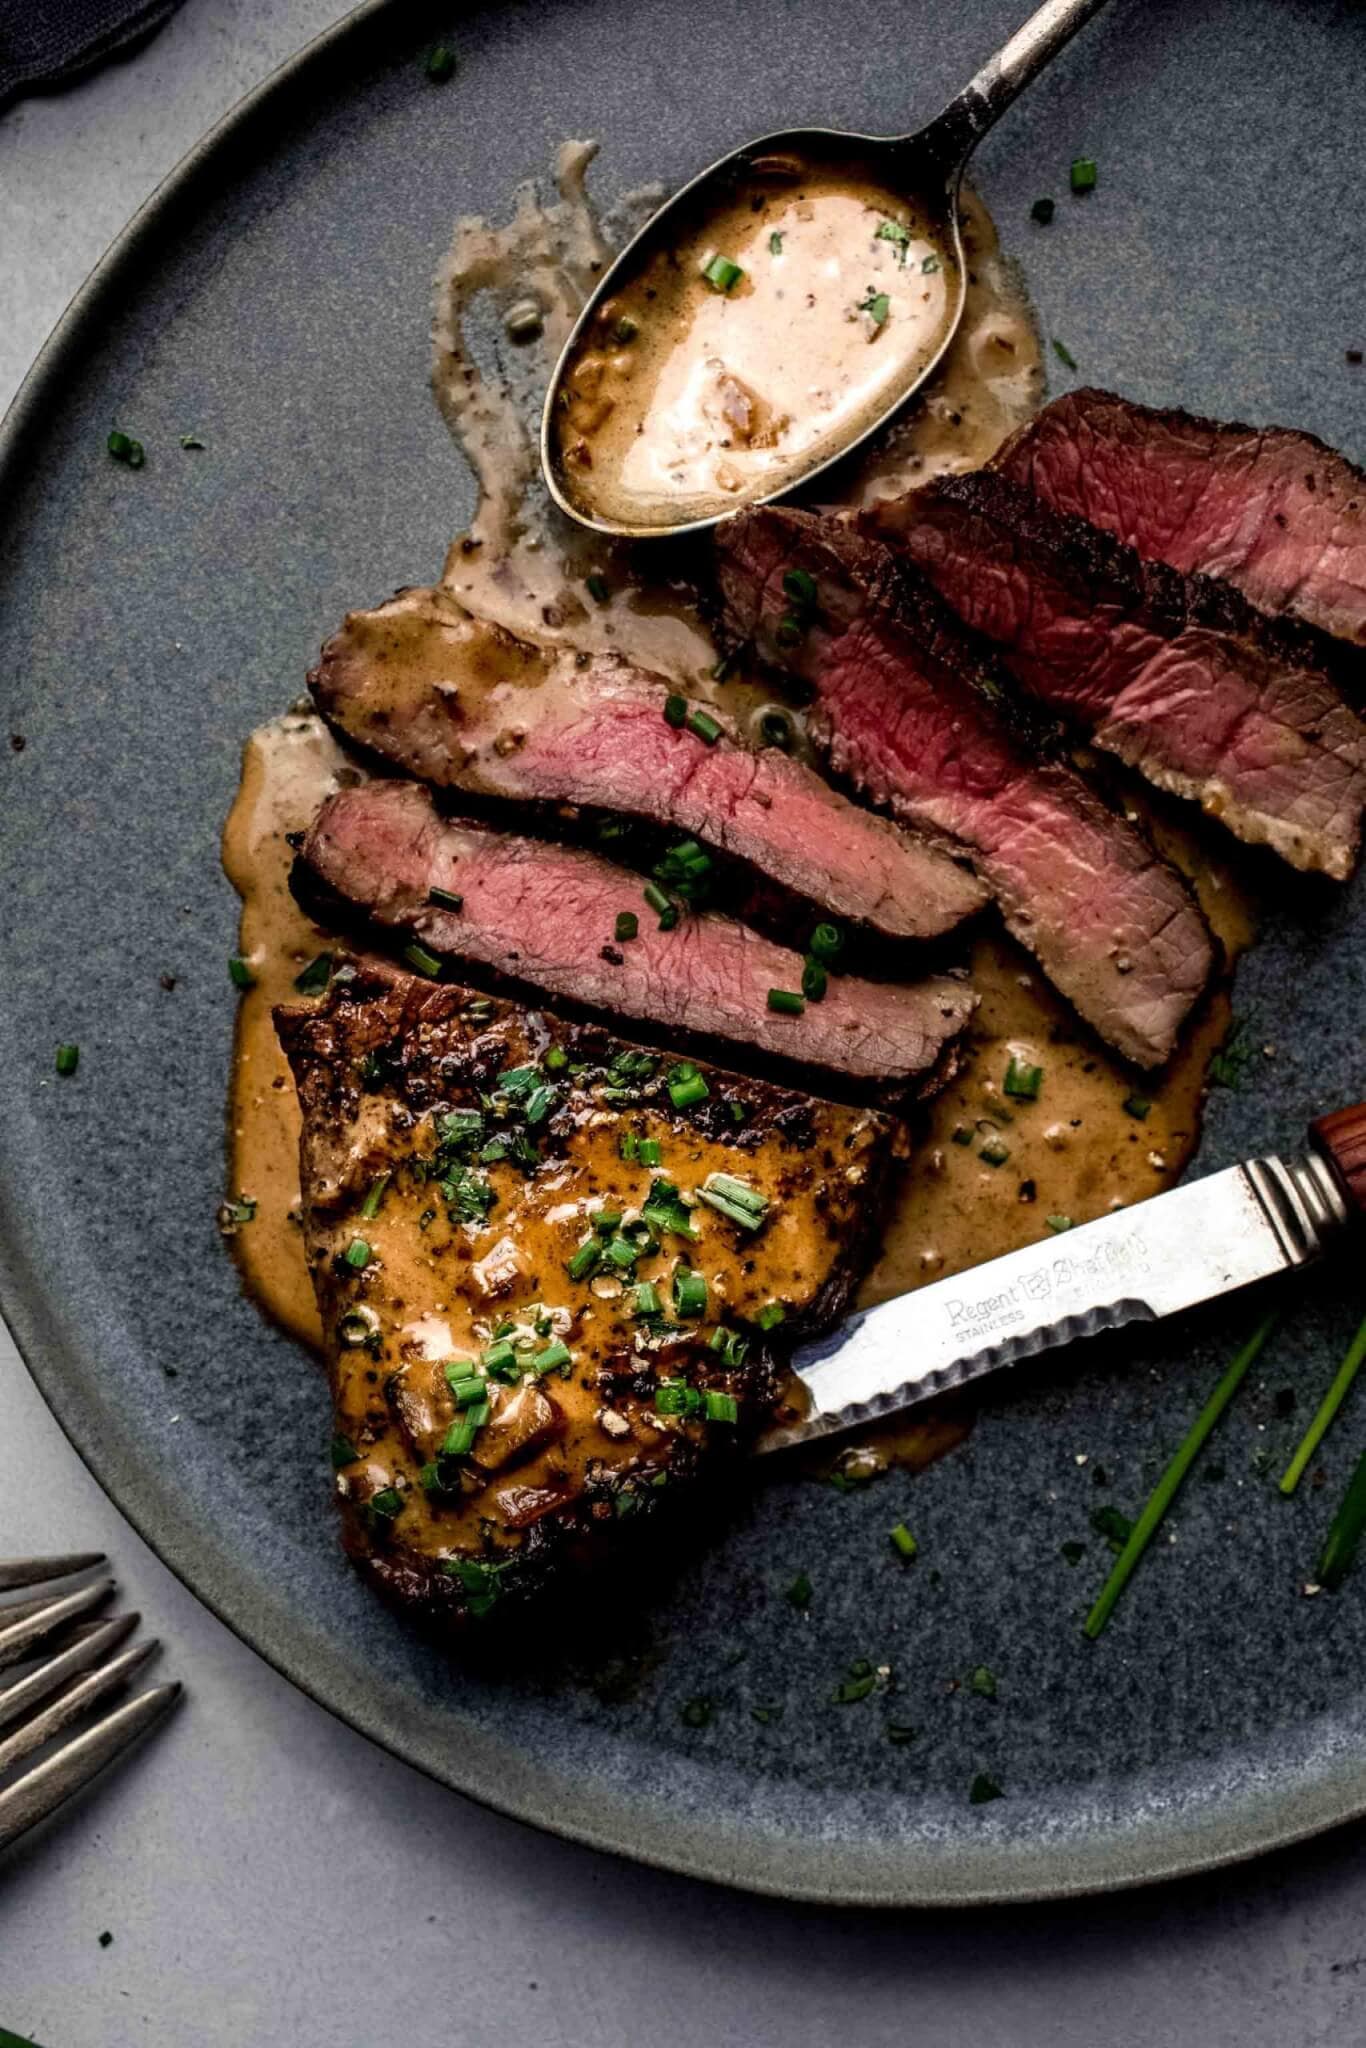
(258, 1835)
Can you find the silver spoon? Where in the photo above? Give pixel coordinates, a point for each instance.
(925, 168)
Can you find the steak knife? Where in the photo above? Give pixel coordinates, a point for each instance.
(1139, 1264)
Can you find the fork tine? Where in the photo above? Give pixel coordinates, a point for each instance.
(40, 1791)
(31, 1571)
(23, 1637)
(76, 1701)
(20, 1610)
(19, 1700)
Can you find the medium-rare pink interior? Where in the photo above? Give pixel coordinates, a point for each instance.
(1277, 513)
(1175, 675)
(547, 915)
(902, 710)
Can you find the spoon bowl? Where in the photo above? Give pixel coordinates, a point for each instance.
(783, 429)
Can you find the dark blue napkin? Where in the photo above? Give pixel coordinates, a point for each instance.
(45, 43)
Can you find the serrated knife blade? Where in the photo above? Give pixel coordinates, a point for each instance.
(1189, 1245)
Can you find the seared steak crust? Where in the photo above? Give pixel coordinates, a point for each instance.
(1175, 675)
(544, 915)
(467, 707)
(472, 1148)
(914, 714)
(1278, 514)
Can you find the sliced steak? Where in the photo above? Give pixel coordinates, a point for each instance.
(461, 1159)
(545, 915)
(1278, 513)
(1175, 675)
(465, 706)
(904, 709)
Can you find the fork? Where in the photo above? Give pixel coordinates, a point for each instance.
(77, 1663)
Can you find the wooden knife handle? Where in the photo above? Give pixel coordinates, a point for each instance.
(1342, 1139)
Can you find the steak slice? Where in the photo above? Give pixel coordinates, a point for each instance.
(477, 1208)
(545, 915)
(466, 706)
(903, 708)
(1175, 675)
(1279, 514)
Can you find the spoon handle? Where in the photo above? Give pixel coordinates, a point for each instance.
(966, 119)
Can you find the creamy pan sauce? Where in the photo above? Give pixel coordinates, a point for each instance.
(1074, 1153)
(768, 334)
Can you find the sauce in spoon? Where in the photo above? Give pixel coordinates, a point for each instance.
(762, 339)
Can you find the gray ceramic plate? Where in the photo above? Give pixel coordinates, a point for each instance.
(273, 298)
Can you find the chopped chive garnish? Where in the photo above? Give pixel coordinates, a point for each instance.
(775, 730)
(466, 1390)
(68, 1059)
(892, 231)
(775, 243)
(656, 898)
(369, 1208)
(620, 1252)
(1042, 211)
(961, 1134)
(786, 1002)
(1327, 1409)
(313, 979)
(445, 899)
(649, 1151)
(687, 1088)
(627, 925)
(241, 1211)
(597, 587)
(877, 306)
(982, 1789)
(553, 1356)
(585, 1261)
(903, 1542)
(440, 64)
(1082, 176)
(735, 1199)
(928, 265)
(1064, 355)
(500, 1359)
(675, 709)
(1344, 1537)
(722, 274)
(994, 1152)
(240, 973)
(827, 943)
(789, 630)
(705, 726)
(856, 1687)
(605, 1221)
(421, 960)
(628, 1145)
(126, 450)
(676, 1397)
(1059, 1223)
(646, 1301)
(723, 669)
(983, 1683)
(1022, 1080)
(730, 1347)
(690, 1292)
(555, 1058)
(357, 1254)
(459, 1438)
(1113, 1526)
(1169, 1484)
(799, 586)
(770, 1315)
(720, 1407)
(191, 441)
(344, 1452)
(799, 1592)
(814, 981)
(1137, 1106)
(668, 919)
(385, 1505)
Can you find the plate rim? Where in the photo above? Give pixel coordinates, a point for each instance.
(871, 1875)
